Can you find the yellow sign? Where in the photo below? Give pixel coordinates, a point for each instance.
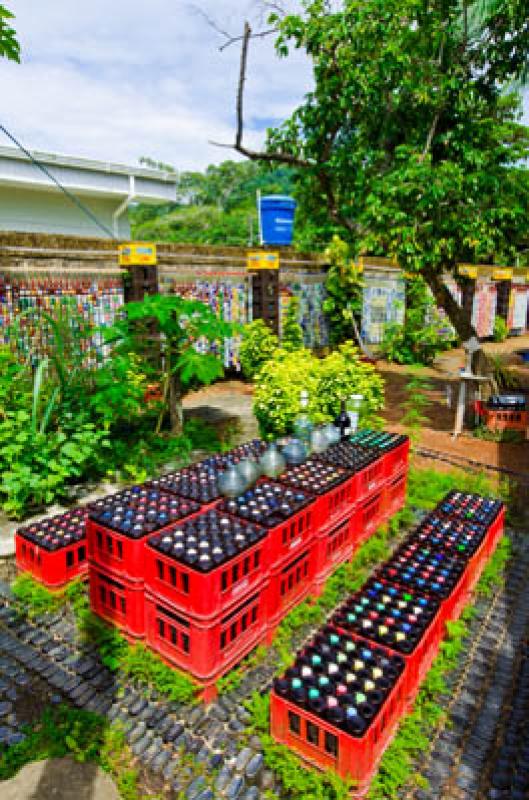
(137, 253)
(467, 270)
(259, 259)
(502, 274)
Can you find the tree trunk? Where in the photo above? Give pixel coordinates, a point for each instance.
(176, 412)
(457, 315)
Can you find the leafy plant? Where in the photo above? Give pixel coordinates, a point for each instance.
(281, 380)
(257, 346)
(292, 334)
(424, 333)
(9, 47)
(33, 598)
(415, 405)
(500, 329)
(344, 286)
(172, 337)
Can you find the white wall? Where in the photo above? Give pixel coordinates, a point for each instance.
(37, 211)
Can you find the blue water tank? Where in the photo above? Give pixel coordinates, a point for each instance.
(277, 219)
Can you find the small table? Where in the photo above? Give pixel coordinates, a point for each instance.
(466, 379)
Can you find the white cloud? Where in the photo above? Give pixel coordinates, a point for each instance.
(117, 80)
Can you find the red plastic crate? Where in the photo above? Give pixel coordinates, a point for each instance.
(290, 583)
(205, 648)
(327, 747)
(53, 569)
(334, 544)
(369, 480)
(420, 660)
(206, 594)
(395, 494)
(370, 515)
(397, 460)
(118, 601)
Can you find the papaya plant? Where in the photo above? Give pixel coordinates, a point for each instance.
(179, 343)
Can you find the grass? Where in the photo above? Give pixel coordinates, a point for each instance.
(132, 661)
(87, 737)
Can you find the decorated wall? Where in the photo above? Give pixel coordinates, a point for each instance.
(384, 301)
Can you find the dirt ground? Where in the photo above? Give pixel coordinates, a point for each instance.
(232, 400)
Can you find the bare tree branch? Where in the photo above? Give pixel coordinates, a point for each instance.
(229, 37)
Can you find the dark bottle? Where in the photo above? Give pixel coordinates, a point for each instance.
(343, 422)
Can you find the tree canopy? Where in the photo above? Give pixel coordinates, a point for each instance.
(9, 47)
(216, 206)
(410, 141)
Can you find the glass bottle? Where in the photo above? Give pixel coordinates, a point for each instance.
(342, 422)
(302, 424)
(272, 462)
(231, 483)
(353, 411)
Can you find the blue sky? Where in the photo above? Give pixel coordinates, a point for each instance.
(118, 79)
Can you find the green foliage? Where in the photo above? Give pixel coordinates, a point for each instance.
(216, 207)
(280, 381)
(494, 572)
(9, 47)
(501, 329)
(65, 731)
(33, 598)
(167, 335)
(292, 334)
(410, 141)
(232, 680)
(257, 346)
(415, 405)
(503, 377)
(344, 287)
(426, 487)
(134, 661)
(423, 335)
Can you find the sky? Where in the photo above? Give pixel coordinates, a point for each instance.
(119, 79)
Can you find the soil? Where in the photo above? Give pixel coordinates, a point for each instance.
(231, 400)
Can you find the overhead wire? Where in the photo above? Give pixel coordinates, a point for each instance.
(72, 197)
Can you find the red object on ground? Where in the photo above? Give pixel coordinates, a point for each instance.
(206, 649)
(290, 582)
(206, 594)
(118, 600)
(395, 494)
(54, 569)
(54, 550)
(328, 747)
(397, 460)
(502, 420)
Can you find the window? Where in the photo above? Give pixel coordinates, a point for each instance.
(81, 555)
(172, 576)
(185, 642)
(185, 583)
(294, 722)
(159, 569)
(172, 631)
(331, 744)
(99, 537)
(110, 544)
(69, 559)
(313, 734)
(161, 628)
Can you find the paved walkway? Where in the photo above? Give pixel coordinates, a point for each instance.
(60, 779)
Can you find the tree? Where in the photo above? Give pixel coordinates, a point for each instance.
(9, 47)
(409, 142)
(175, 339)
(292, 336)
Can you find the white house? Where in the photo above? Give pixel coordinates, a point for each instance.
(30, 202)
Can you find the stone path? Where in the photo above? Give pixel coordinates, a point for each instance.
(60, 779)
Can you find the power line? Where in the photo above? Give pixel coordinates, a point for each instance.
(75, 200)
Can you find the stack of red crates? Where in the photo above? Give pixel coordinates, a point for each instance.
(404, 609)
(117, 530)
(53, 550)
(205, 620)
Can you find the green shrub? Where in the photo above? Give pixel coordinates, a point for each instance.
(423, 335)
(257, 346)
(292, 334)
(501, 330)
(280, 381)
